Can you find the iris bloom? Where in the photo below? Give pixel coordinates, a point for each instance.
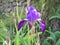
(32, 16)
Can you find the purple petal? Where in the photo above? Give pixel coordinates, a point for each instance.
(31, 8)
(21, 23)
(42, 25)
(31, 17)
(30, 26)
(32, 14)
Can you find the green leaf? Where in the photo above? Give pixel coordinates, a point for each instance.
(58, 42)
(19, 40)
(23, 42)
(52, 37)
(54, 16)
(46, 43)
(16, 42)
(28, 40)
(3, 31)
(57, 33)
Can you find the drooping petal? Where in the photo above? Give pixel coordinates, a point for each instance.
(30, 25)
(42, 26)
(21, 23)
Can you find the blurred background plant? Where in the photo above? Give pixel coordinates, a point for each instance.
(12, 11)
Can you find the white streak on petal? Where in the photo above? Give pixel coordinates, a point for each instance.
(34, 10)
(38, 19)
(26, 19)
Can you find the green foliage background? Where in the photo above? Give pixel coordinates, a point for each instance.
(50, 9)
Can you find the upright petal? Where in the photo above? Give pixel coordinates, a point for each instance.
(21, 23)
(31, 8)
(32, 14)
(42, 25)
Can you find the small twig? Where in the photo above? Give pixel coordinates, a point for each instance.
(37, 36)
(32, 30)
(8, 37)
(28, 3)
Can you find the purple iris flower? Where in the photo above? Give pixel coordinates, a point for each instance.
(32, 16)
